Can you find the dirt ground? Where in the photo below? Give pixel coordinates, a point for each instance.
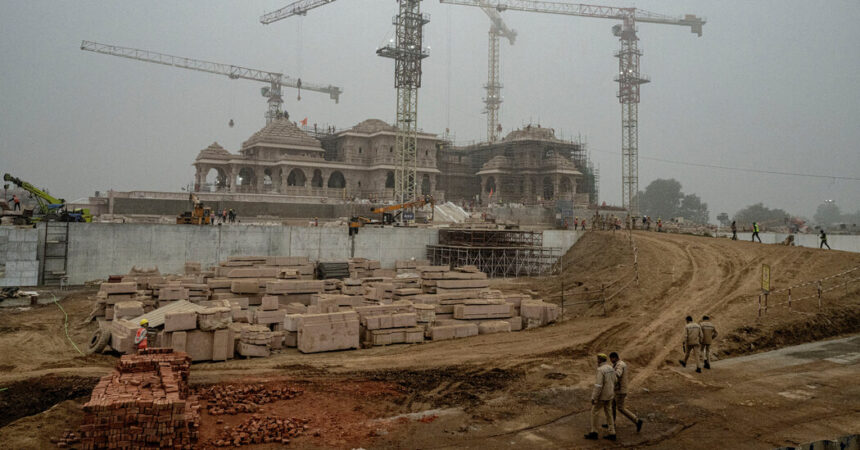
(527, 388)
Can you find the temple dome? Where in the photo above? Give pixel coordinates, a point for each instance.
(281, 132)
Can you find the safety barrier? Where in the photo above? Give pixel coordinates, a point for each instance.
(791, 300)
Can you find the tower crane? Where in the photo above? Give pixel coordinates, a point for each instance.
(272, 92)
(498, 29)
(408, 51)
(629, 78)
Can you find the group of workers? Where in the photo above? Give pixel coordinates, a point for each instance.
(226, 216)
(822, 235)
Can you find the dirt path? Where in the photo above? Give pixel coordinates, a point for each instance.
(529, 387)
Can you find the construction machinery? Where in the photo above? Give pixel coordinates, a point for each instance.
(401, 211)
(199, 214)
(272, 92)
(628, 77)
(49, 207)
(407, 50)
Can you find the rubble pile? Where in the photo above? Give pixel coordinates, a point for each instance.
(241, 398)
(143, 403)
(262, 430)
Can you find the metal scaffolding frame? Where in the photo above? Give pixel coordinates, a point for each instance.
(498, 253)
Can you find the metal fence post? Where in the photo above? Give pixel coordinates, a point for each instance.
(765, 302)
(603, 296)
(819, 295)
(789, 298)
(759, 305)
(562, 297)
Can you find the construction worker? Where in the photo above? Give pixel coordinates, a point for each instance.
(623, 376)
(823, 237)
(583, 224)
(140, 337)
(659, 225)
(601, 398)
(575, 223)
(709, 333)
(692, 343)
(755, 233)
(734, 230)
(16, 202)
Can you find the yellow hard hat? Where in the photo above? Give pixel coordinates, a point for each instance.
(143, 322)
(602, 356)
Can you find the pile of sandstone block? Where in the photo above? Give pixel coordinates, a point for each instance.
(143, 403)
(121, 301)
(255, 305)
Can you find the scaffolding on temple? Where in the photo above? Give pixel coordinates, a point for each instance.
(498, 253)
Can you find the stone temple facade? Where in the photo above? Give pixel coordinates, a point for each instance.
(283, 159)
(529, 166)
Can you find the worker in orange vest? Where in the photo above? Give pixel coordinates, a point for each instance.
(140, 337)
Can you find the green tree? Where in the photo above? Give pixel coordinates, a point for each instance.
(693, 209)
(723, 218)
(827, 214)
(661, 198)
(761, 214)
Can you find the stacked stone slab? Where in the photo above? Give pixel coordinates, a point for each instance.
(254, 340)
(182, 332)
(429, 275)
(410, 265)
(327, 332)
(112, 293)
(143, 403)
(362, 267)
(295, 291)
(537, 313)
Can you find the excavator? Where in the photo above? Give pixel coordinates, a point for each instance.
(199, 214)
(50, 207)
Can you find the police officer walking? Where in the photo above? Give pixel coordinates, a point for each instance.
(692, 343)
(709, 333)
(601, 398)
(623, 376)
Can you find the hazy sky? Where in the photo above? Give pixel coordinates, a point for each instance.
(771, 85)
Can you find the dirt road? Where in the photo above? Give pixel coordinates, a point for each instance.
(530, 388)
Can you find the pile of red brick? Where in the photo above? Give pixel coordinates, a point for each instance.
(262, 430)
(241, 398)
(144, 403)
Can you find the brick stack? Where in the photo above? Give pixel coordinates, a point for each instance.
(144, 403)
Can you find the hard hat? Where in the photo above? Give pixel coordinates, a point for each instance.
(143, 322)
(602, 356)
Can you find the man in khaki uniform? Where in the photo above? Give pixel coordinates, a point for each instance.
(601, 398)
(709, 333)
(692, 343)
(622, 374)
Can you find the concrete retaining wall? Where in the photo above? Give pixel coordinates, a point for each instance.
(19, 261)
(97, 250)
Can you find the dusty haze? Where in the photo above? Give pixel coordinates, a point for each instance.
(771, 85)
